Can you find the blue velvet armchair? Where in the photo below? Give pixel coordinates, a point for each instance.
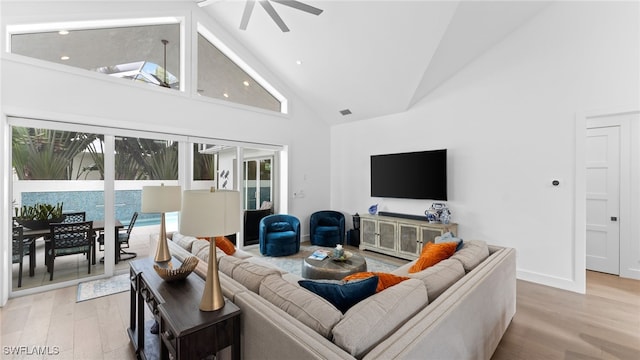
(327, 228)
(279, 235)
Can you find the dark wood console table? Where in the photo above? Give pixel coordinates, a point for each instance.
(185, 332)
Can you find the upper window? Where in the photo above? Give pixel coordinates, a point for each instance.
(148, 51)
(139, 53)
(221, 78)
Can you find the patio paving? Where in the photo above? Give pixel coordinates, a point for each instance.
(73, 267)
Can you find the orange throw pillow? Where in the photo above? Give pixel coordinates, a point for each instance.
(225, 245)
(433, 254)
(385, 280)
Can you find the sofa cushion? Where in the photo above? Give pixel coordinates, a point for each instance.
(279, 226)
(385, 280)
(229, 287)
(310, 309)
(433, 254)
(472, 253)
(372, 320)
(183, 241)
(175, 249)
(440, 277)
(343, 295)
(200, 248)
(198, 245)
(227, 263)
(280, 236)
(251, 275)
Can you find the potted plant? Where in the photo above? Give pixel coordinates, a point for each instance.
(38, 216)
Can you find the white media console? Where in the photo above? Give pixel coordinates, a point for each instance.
(399, 235)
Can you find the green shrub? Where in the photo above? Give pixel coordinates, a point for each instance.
(39, 212)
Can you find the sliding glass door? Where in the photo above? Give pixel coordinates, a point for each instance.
(257, 184)
(55, 174)
(99, 172)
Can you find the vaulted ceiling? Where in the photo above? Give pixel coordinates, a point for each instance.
(371, 57)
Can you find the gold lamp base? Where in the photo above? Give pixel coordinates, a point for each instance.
(212, 298)
(162, 250)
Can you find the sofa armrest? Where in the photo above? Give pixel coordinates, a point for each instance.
(288, 338)
(466, 322)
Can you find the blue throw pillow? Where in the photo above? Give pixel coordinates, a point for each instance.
(280, 226)
(448, 237)
(342, 295)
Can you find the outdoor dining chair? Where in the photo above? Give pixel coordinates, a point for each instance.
(69, 217)
(123, 238)
(20, 249)
(73, 217)
(69, 239)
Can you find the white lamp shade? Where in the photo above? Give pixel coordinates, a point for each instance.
(206, 213)
(161, 199)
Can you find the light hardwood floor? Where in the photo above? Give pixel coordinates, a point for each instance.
(556, 324)
(549, 323)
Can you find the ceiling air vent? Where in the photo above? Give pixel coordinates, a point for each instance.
(345, 112)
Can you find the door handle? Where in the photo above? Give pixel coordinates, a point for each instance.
(614, 218)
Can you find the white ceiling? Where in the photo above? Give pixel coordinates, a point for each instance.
(372, 57)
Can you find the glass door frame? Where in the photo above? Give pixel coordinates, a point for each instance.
(108, 191)
(278, 173)
(258, 180)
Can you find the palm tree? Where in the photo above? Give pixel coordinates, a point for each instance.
(203, 165)
(139, 159)
(43, 154)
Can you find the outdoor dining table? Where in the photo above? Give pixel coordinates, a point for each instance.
(98, 225)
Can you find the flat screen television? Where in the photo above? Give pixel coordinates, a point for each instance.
(412, 175)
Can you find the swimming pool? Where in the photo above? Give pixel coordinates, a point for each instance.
(92, 203)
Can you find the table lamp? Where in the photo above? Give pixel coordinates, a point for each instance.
(161, 199)
(210, 213)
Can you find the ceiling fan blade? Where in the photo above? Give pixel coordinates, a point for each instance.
(274, 15)
(248, 8)
(300, 6)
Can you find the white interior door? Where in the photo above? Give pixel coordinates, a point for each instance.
(603, 199)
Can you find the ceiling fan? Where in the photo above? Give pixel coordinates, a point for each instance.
(266, 5)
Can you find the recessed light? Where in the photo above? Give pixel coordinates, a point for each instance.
(298, 62)
(225, 95)
(64, 57)
(246, 83)
(63, 32)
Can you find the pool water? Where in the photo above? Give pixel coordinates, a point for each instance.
(92, 203)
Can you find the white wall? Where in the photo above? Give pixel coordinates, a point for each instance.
(33, 89)
(508, 122)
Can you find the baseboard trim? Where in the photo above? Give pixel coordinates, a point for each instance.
(553, 281)
(630, 273)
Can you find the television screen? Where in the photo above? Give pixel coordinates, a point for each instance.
(414, 175)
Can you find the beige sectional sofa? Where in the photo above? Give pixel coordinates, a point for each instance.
(457, 309)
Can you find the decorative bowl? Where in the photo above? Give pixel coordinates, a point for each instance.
(170, 274)
(346, 256)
